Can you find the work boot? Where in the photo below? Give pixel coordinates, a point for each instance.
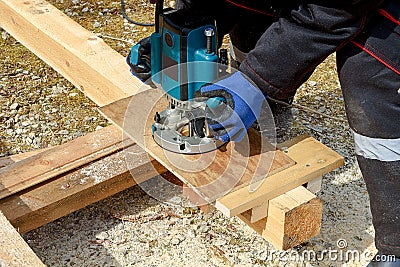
(381, 260)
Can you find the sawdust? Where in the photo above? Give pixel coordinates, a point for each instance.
(101, 170)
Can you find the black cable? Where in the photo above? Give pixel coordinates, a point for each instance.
(294, 105)
(131, 20)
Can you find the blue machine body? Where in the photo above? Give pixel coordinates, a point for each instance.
(180, 61)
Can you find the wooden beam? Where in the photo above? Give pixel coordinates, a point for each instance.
(285, 221)
(71, 191)
(14, 251)
(293, 218)
(214, 174)
(57, 160)
(313, 159)
(77, 54)
(259, 212)
(8, 160)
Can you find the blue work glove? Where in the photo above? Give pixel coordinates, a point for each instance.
(242, 105)
(139, 59)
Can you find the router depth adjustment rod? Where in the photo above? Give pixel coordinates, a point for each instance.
(209, 33)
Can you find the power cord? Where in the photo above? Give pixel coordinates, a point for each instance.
(105, 36)
(131, 20)
(294, 105)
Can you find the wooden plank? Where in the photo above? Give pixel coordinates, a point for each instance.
(212, 174)
(259, 212)
(293, 218)
(71, 191)
(14, 251)
(8, 160)
(77, 54)
(313, 159)
(60, 159)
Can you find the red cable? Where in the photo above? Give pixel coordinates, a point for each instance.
(251, 9)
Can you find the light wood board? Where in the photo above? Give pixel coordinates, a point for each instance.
(8, 160)
(71, 191)
(79, 55)
(212, 174)
(52, 162)
(14, 251)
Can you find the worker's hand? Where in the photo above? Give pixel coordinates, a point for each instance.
(139, 59)
(242, 105)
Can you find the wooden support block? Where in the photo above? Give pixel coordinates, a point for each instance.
(313, 159)
(71, 191)
(14, 251)
(315, 185)
(293, 218)
(80, 56)
(259, 212)
(54, 161)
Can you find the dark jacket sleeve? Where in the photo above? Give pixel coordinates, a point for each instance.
(289, 50)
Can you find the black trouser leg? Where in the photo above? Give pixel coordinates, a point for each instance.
(372, 99)
(382, 180)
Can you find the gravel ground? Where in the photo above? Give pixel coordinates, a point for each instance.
(38, 108)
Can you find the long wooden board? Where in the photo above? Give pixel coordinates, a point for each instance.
(211, 175)
(313, 159)
(8, 160)
(77, 54)
(60, 159)
(71, 191)
(14, 251)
